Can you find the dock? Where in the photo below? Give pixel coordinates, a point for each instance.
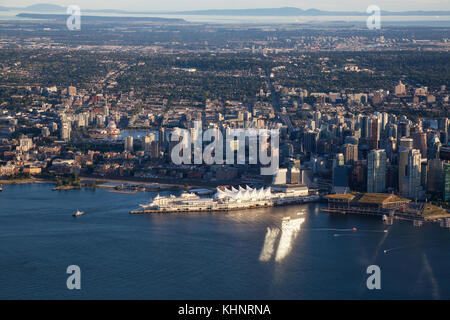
(225, 207)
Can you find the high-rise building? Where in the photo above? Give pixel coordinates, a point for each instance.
(400, 89)
(435, 148)
(66, 130)
(342, 178)
(406, 144)
(147, 141)
(447, 182)
(310, 140)
(403, 129)
(391, 130)
(420, 143)
(435, 175)
(280, 177)
(106, 110)
(129, 144)
(25, 144)
(443, 124)
(350, 153)
(391, 149)
(72, 91)
(412, 181)
(376, 171)
(162, 138)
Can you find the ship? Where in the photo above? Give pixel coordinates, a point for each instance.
(78, 213)
(228, 199)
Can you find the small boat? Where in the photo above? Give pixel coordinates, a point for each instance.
(354, 229)
(1, 188)
(78, 213)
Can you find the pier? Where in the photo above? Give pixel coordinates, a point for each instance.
(213, 206)
(386, 206)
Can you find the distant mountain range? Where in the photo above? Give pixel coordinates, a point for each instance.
(90, 18)
(286, 11)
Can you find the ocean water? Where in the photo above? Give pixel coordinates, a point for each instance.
(435, 21)
(259, 254)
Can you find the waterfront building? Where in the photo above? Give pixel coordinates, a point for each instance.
(377, 203)
(376, 171)
(435, 176)
(226, 199)
(412, 181)
(280, 177)
(342, 178)
(406, 144)
(447, 182)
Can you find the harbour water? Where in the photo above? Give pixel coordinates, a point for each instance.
(294, 252)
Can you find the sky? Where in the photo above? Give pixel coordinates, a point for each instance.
(182, 5)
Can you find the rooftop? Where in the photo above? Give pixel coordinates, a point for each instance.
(368, 198)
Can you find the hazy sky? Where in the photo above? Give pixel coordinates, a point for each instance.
(341, 5)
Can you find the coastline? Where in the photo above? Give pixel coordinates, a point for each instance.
(26, 181)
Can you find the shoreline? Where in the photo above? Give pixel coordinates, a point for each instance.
(26, 181)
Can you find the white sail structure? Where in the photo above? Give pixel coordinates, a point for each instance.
(247, 194)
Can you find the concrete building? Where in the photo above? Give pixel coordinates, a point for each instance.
(129, 144)
(376, 171)
(412, 187)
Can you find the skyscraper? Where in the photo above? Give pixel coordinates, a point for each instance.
(406, 144)
(420, 143)
(435, 176)
(350, 153)
(147, 141)
(129, 144)
(66, 130)
(412, 182)
(447, 182)
(376, 171)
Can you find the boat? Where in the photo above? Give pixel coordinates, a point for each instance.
(1, 188)
(78, 213)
